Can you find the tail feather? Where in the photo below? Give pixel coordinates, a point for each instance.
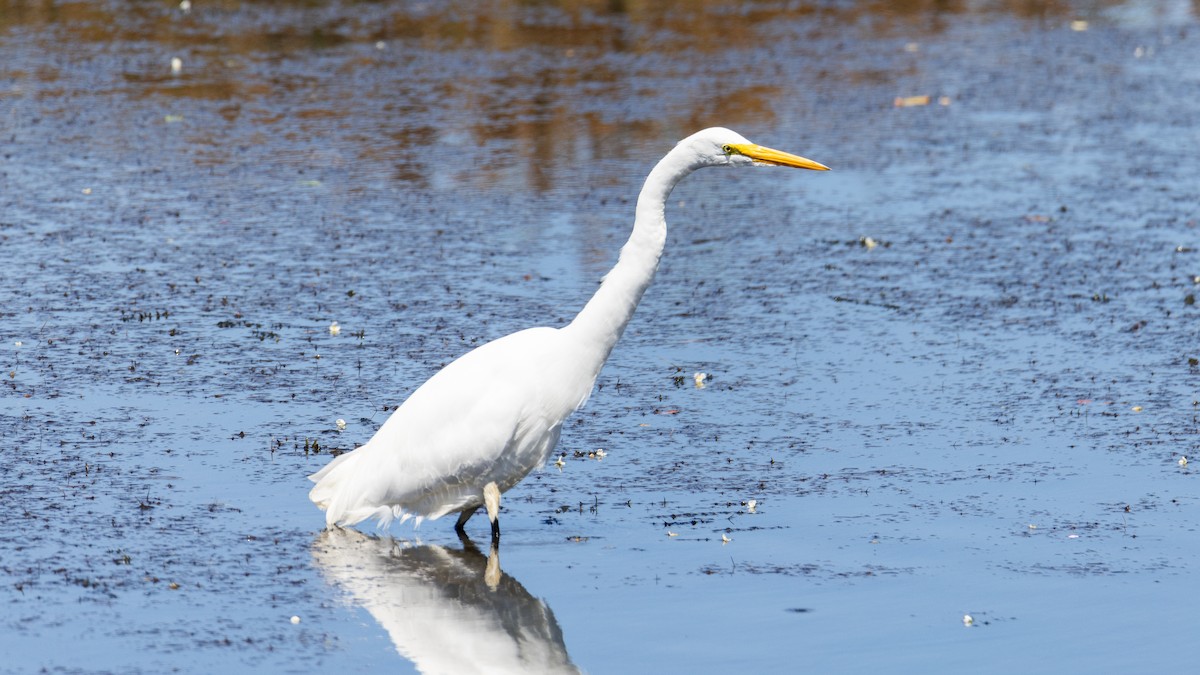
(334, 492)
(349, 491)
(340, 493)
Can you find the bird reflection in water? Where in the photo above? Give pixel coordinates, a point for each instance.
(446, 610)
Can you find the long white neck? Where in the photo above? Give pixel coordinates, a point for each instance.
(603, 320)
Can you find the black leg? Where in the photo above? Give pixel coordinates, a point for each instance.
(463, 518)
(496, 531)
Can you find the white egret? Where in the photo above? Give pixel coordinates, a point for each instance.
(482, 423)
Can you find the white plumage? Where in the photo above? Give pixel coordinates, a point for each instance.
(482, 423)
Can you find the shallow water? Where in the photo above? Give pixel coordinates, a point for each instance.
(980, 415)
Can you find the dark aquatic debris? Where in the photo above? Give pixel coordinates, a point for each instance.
(868, 303)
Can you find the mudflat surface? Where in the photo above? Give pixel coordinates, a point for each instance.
(956, 374)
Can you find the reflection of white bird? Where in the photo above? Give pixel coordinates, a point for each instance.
(446, 610)
(482, 423)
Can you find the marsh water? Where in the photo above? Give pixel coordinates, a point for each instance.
(956, 375)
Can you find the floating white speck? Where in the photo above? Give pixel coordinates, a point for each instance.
(1072, 536)
(295, 619)
(968, 620)
(381, 45)
(725, 539)
(672, 534)
(700, 378)
(87, 191)
(341, 424)
(600, 453)
(1032, 526)
(176, 65)
(912, 47)
(185, 6)
(1136, 408)
(1182, 458)
(869, 242)
(559, 462)
(751, 505)
(19, 343)
(1079, 26)
(334, 328)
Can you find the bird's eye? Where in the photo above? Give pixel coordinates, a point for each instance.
(726, 149)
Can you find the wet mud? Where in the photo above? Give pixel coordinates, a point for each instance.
(956, 376)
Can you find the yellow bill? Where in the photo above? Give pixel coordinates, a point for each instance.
(770, 157)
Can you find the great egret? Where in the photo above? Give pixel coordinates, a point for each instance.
(482, 423)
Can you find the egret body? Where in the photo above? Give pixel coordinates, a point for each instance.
(482, 423)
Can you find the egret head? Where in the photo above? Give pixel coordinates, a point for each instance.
(718, 146)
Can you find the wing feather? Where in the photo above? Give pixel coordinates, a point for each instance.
(494, 414)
